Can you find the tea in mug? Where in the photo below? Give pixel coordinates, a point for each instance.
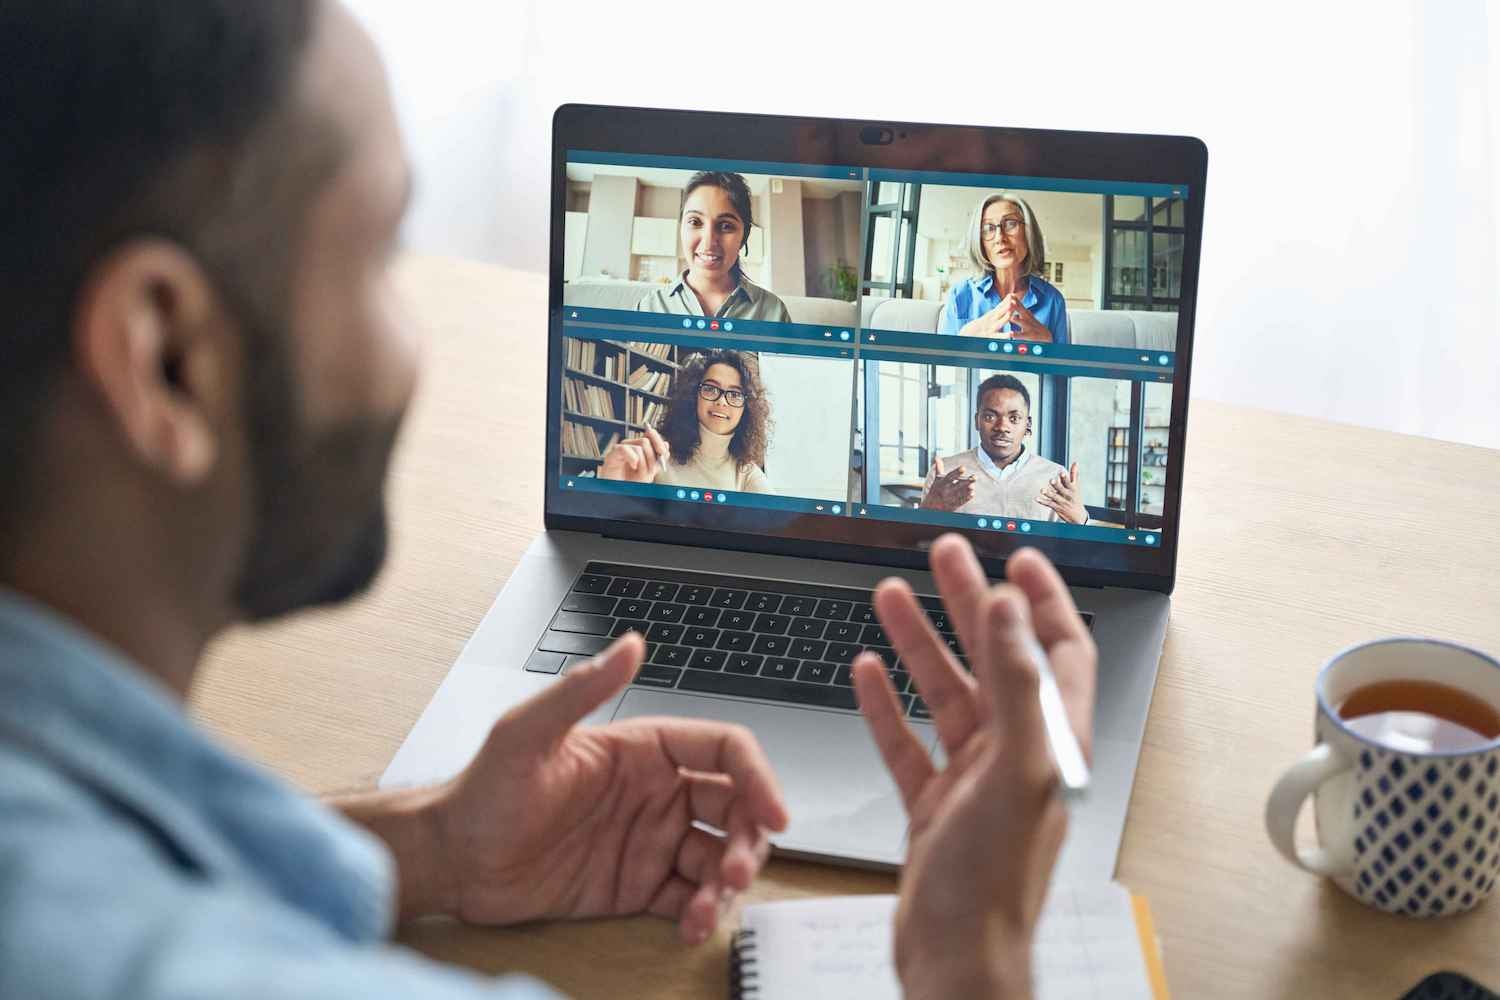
(1420, 717)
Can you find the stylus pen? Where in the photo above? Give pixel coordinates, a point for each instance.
(1072, 769)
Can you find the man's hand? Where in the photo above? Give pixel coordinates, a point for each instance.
(554, 820)
(636, 459)
(949, 490)
(986, 829)
(1062, 495)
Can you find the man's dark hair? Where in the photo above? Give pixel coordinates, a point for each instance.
(171, 119)
(1001, 382)
(734, 186)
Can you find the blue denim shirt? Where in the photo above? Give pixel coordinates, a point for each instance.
(973, 297)
(139, 859)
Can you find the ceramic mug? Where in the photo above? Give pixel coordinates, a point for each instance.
(1409, 832)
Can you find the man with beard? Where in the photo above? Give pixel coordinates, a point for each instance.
(203, 376)
(1002, 477)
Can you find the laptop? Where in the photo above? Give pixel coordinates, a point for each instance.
(803, 309)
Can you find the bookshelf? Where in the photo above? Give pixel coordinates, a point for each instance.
(1153, 468)
(611, 390)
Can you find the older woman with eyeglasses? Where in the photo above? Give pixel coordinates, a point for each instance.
(714, 434)
(1009, 300)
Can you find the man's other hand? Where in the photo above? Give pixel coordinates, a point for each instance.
(555, 820)
(987, 827)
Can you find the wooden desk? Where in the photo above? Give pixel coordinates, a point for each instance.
(1300, 537)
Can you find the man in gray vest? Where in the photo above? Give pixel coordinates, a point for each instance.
(1002, 477)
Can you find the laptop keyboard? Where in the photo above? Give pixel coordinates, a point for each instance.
(716, 634)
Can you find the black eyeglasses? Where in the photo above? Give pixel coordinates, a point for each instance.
(713, 393)
(1007, 225)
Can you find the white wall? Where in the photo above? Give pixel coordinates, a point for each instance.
(811, 400)
(1349, 258)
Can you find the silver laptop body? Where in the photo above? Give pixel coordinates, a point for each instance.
(843, 806)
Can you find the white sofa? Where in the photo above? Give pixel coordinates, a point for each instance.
(1155, 331)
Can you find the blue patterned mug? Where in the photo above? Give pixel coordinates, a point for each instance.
(1406, 830)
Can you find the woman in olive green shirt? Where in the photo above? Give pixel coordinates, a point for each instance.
(715, 221)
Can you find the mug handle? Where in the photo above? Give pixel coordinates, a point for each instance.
(1301, 780)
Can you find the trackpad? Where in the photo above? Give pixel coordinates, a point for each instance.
(841, 800)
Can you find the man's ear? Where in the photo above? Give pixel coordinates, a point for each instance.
(149, 340)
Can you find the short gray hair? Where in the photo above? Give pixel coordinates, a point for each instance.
(1036, 247)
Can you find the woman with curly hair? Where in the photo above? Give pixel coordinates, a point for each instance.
(713, 436)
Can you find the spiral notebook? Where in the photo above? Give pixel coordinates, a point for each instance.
(1092, 944)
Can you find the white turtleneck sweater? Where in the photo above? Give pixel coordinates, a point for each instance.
(713, 468)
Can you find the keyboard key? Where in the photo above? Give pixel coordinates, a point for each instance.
(708, 659)
(671, 656)
(873, 635)
(808, 649)
(630, 625)
(702, 637)
(772, 645)
(701, 616)
(739, 642)
(940, 621)
(545, 663)
(844, 676)
(695, 595)
(667, 612)
(652, 675)
(794, 606)
(729, 599)
(822, 695)
(816, 673)
(779, 666)
(626, 587)
(662, 632)
(574, 661)
(772, 624)
(763, 603)
(843, 652)
(741, 620)
(573, 642)
(919, 709)
(744, 663)
(900, 680)
(863, 613)
(589, 604)
(569, 621)
(886, 653)
(588, 583)
(833, 609)
(806, 628)
(632, 609)
(661, 592)
(842, 631)
(952, 642)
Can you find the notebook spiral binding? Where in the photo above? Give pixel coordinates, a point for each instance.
(744, 978)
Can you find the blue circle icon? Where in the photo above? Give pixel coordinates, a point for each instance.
(1010, 348)
(721, 498)
(843, 334)
(687, 324)
(1025, 526)
(682, 494)
(1150, 539)
(728, 328)
(1036, 349)
(836, 509)
(983, 523)
(1163, 360)
(701, 324)
(694, 494)
(994, 346)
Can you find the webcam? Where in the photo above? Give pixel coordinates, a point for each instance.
(876, 135)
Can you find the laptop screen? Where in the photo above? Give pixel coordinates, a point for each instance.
(872, 354)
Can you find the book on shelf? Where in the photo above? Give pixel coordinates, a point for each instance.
(579, 441)
(644, 411)
(588, 400)
(661, 352)
(585, 356)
